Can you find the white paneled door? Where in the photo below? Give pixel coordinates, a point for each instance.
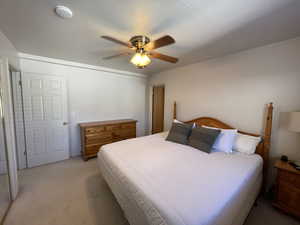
(45, 115)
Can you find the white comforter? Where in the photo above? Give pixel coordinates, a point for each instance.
(174, 184)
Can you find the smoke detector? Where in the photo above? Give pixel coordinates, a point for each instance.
(63, 12)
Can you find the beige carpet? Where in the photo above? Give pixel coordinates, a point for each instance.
(4, 194)
(73, 192)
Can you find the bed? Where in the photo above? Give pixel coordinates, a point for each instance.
(157, 182)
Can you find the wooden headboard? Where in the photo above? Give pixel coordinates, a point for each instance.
(263, 147)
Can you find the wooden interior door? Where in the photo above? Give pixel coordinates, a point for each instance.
(46, 117)
(158, 105)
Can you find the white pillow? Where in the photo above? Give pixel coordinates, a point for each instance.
(225, 140)
(177, 121)
(246, 143)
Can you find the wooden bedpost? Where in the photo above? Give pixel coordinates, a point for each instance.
(174, 111)
(267, 142)
(268, 128)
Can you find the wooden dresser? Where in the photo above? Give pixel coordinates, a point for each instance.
(96, 134)
(287, 189)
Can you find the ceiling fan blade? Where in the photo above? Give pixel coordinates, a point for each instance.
(115, 56)
(163, 41)
(163, 57)
(127, 44)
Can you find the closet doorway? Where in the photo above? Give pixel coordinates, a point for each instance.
(158, 105)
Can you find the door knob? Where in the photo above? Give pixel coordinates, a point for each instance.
(65, 123)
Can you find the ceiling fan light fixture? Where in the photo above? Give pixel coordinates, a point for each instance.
(140, 60)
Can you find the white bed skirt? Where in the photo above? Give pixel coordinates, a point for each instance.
(136, 214)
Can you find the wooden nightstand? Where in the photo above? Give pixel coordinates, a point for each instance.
(287, 188)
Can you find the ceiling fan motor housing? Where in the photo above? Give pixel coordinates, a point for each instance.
(139, 41)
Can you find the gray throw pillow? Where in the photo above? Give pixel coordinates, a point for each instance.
(203, 138)
(179, 133)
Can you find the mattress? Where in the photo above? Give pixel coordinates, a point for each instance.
(157, 182)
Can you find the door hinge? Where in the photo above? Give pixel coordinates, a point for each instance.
(20, 83)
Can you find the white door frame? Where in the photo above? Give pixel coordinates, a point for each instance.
(19, 120)
(7, 110)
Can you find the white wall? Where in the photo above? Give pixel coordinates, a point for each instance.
(7, 50)
(95, 95)
(235, 89)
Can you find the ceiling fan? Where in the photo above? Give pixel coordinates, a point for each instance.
(142, 46)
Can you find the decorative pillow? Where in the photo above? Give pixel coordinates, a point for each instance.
(203, 138)
(225, 140)
(246, 143)
(178, 121)
(179, 133)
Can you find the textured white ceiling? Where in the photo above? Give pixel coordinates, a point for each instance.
(202, 28)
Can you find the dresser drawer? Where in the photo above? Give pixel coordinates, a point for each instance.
(93, 130)
(91, 149)
(128, 133)
(98, 135)
(121, 135)
(128, 126)
(124, 133)
(288, 196)
(112, 127)
(99, 141)
(290, 178)
(98, 138)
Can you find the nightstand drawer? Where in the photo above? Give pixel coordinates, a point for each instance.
(290, 178)
(288, 196)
